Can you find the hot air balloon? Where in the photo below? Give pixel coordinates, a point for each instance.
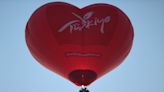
(80, 45)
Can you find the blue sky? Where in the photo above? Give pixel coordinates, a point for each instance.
(142, 71)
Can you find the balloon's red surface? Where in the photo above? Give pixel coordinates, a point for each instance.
(79, 44)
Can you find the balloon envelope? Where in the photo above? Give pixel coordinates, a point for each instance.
(81, 45)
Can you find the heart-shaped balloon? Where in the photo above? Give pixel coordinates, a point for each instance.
(79, 44)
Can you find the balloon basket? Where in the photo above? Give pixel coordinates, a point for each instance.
(83, 89)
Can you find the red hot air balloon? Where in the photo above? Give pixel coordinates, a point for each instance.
(80, 45)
